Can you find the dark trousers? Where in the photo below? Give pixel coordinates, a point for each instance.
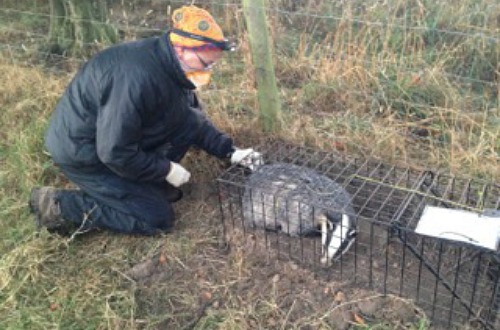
(106, 200)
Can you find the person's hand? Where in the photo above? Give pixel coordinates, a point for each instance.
(178, 175)
(248, 158)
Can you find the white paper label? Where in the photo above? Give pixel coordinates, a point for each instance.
(459, 225)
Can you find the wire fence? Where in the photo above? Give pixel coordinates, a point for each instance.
(488, 36)
(12, 14)
(274, 11)
(429, 69)
(426, 62)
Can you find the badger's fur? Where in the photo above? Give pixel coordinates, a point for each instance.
(298, 201)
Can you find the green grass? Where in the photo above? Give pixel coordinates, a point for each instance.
(384, 91)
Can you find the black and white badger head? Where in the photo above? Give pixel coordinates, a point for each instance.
(298, 201)
(338, 232)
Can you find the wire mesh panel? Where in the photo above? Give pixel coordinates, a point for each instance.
(354, 220)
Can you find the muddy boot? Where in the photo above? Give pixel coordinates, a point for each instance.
(47, 212)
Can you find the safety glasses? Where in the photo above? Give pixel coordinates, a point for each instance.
(225, 44)
(206, 66)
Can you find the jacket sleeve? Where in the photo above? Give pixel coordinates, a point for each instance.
(119, 130)
(209, 137)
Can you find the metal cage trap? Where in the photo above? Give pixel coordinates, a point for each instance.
(355, 219)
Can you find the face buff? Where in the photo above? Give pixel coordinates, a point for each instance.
(199, 78)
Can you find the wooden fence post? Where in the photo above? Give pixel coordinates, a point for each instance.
(268, 96)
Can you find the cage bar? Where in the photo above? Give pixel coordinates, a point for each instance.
(454, 282)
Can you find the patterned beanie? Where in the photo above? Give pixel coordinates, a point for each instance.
(195, 28)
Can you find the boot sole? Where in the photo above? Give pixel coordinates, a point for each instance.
(59, 229)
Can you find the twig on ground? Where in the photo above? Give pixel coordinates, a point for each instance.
(124, 275)
(352, 302)
(288, 314)
(80, 230)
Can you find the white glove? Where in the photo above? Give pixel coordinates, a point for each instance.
(178, 175)
(247, 158)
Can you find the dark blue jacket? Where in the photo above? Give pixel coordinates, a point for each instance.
(124, 106)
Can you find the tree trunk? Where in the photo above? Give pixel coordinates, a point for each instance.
(78, 27)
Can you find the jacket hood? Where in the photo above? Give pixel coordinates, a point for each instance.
(171, 62)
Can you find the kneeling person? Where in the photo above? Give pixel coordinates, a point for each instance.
(123, 125)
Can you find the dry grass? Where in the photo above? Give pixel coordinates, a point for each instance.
(421, 90)
(398, 103)
(50, 282)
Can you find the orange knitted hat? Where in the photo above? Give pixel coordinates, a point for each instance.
(194, 28)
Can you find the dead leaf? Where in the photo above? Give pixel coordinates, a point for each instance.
(415, 80)
(339, 146)
(163, 259)
(358, 319)
(206, 295)
(276, 278)
(339, 297)
(53, 306)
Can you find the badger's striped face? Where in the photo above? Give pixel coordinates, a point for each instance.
(336, 237)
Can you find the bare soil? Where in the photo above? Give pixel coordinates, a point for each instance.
(242, 286)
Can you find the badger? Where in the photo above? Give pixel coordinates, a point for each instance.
(298, 201)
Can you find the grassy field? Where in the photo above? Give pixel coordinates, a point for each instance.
(421, 90)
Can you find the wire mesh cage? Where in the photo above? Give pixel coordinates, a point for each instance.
(354, 219)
